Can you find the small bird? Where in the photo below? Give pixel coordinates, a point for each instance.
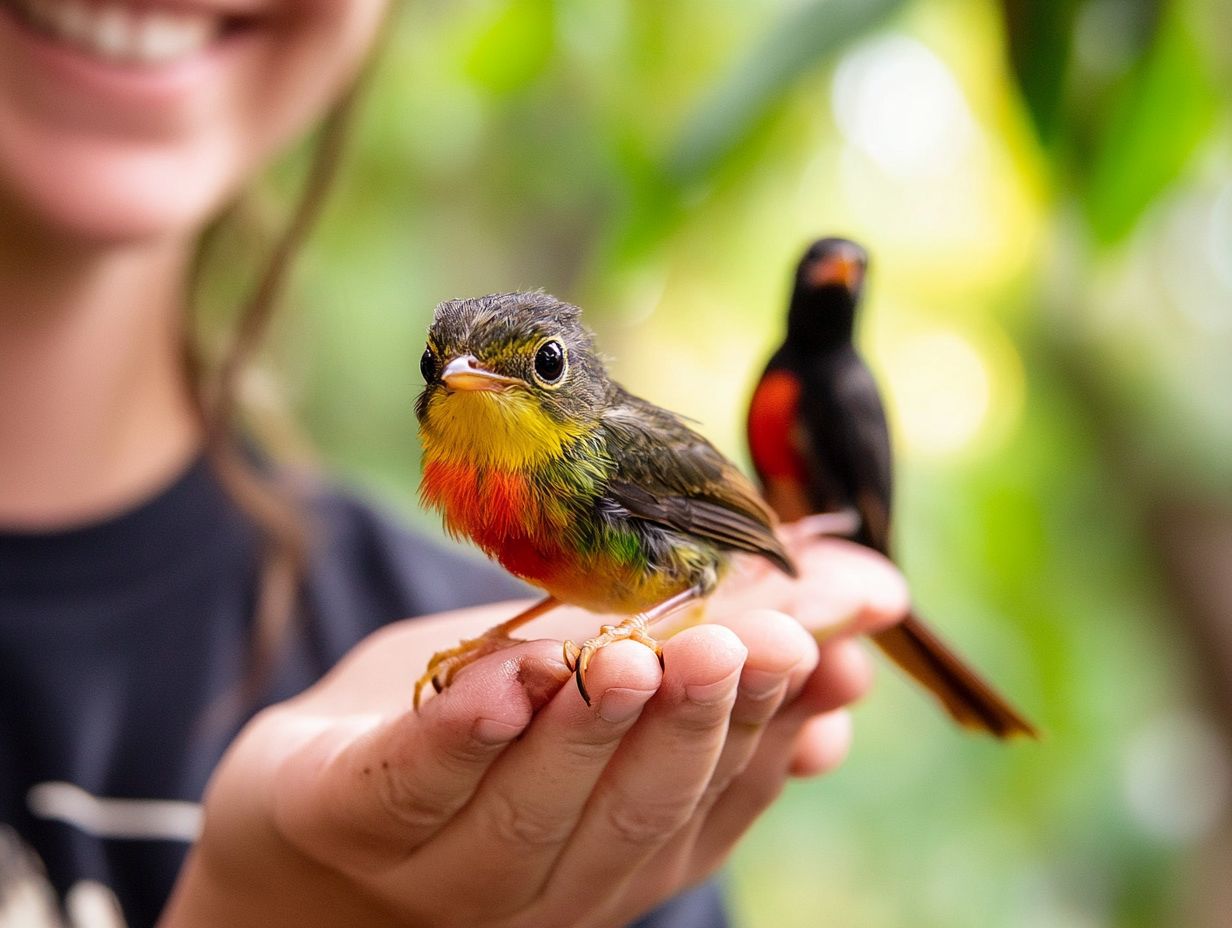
(598, 497)
(819, 442)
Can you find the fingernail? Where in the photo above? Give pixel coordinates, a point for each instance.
(708, 694)
(493, 732)
(619, 704)
(760, 684)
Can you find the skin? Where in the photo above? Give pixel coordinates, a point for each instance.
(360, 811)
(381, 816)
(102, 198)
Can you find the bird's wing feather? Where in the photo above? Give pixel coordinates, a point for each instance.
(669, 474)
(847, 425)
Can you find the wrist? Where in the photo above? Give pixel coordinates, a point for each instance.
(291, 893)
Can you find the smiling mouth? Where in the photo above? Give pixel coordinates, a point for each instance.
(123, 34)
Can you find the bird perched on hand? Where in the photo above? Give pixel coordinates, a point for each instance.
(819, 442)
(598, 497)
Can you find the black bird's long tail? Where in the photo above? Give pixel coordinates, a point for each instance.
(969, 699)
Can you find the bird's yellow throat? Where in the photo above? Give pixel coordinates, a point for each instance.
(506, 430)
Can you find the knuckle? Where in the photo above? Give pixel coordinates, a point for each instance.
(521, 824)
(587, 751)
(646, 822)
(697, 720)
(717, 786)
(406, 805)
(750, 718)
(462, 753)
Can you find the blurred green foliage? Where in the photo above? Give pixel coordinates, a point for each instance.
(1046, 190)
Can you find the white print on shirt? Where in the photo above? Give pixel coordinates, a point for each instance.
(142, 819)
(27, 900)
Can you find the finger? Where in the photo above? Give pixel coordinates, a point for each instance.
(843, 674)
(781, 658)
(653, 784)
(822, 744)
(843, 588)
(368, 788)
(846, 588)
(534, 797)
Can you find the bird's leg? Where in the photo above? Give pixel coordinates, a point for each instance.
(843, 523)
(686, 617)
(444, 665)
(633, 628)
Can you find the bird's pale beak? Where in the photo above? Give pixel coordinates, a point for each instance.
(465, 373)
(843, 269)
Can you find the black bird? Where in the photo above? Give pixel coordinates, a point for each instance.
(818, 438)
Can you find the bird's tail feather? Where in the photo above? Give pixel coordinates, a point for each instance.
(968, 698)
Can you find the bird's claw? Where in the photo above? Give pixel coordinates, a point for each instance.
(578, 659)
(444, 665)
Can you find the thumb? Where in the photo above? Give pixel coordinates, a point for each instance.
(367, 789)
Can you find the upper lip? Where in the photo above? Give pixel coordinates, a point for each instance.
(466, 373)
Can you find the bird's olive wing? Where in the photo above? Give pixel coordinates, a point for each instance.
(669, 474)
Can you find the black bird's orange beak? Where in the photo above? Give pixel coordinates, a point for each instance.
(842, 268)
(465, 373)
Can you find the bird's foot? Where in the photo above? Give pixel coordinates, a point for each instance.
(843, 523)
(578, 659)
(444, 665)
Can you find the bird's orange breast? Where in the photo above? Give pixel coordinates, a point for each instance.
(486, 505)
(502, 514)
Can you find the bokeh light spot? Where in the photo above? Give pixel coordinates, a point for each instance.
(1178, 780)
(942, 389)
(898, 103)
(1219, 239)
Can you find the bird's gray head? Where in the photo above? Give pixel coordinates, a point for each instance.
(522, 352)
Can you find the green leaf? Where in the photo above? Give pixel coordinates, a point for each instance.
(1162, 116)
(802, 40)
(795, 45)
(1038, 38)
(514, 47)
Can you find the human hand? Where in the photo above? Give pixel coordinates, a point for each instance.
(506, 801)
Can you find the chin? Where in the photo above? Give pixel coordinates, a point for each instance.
(105, 193)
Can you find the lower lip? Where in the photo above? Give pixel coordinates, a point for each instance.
(53, 61)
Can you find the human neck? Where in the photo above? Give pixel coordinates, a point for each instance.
(95, 410)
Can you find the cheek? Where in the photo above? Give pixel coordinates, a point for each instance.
(314, 52)
(114, 171)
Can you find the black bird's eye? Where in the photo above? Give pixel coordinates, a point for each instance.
(550, 361)
(427, 365)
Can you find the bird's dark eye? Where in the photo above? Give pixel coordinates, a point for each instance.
(550, 361)
(427, 365)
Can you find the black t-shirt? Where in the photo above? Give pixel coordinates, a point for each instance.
(119, 642)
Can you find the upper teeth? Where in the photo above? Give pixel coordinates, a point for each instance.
(121, 33)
